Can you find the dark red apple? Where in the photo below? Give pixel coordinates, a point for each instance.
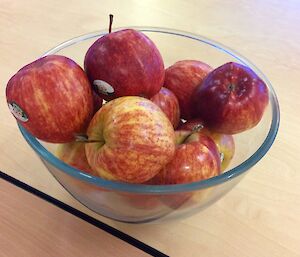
(98, 101)
(168, 103)
(192, 124)
(196, 159)
(231, 99)
(182, 78)
(52, 98)
(224, 142)
(124, 63)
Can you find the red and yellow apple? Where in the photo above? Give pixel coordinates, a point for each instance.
(74, 154)
(224, 142)
(196, 158)
(231, 99)
(124, 63)
(52, 98)
(182, 78)
(168, 103)
(131, 140)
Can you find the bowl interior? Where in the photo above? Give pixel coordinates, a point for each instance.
(251, 145)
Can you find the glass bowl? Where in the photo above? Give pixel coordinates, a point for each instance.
(143, 203)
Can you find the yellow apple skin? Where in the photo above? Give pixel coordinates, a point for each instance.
(74, 154)
(134, 140)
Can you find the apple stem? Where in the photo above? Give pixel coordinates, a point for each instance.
(111, 17)
(82, 138)
(195, 129)
(183, 141)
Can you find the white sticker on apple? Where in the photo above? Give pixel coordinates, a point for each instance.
(103, 87)
(222, 157)
(17, 112)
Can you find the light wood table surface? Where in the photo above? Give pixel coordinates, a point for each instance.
(261, 215)
(32, 227)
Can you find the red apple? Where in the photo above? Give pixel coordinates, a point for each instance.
(141, 201)
(52, 98)
(182, 78)
(74, 154)
(181, 122)
(168, 103)
(191, 125)
(133, 140)
(225, 143)
(98, 101)
(231, 99)
(125, 63)
(196, 159)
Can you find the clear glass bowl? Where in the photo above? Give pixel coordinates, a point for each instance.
(143, 203)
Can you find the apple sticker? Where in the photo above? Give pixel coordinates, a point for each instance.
(103, 87)
(222, 157)
(17, 112)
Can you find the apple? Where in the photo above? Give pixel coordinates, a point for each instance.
(141, 201)
(181, 135)
(98, 101)
(231, 99)
(74, 154)
(168, 103)
(182, 78)
(191, 125)
(131, 140)
(196, 159)
(224, 142)
(51, 98)
(124, 63)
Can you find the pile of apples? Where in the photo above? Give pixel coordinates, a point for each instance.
(156, 125)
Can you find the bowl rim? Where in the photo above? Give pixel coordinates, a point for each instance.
(164, 189)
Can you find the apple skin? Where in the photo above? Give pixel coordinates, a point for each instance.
(192, 124)
(168, 103)
(196, 159)
(74, 154)
(225, 143)
(231, 99)
(98, 101)
(128, 61)
(136, 140)
(182, 78)
(54, 97)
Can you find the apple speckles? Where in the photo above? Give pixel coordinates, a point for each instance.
(228, 74)
(217, 82)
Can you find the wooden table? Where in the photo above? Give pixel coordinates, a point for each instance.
(259, 217)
